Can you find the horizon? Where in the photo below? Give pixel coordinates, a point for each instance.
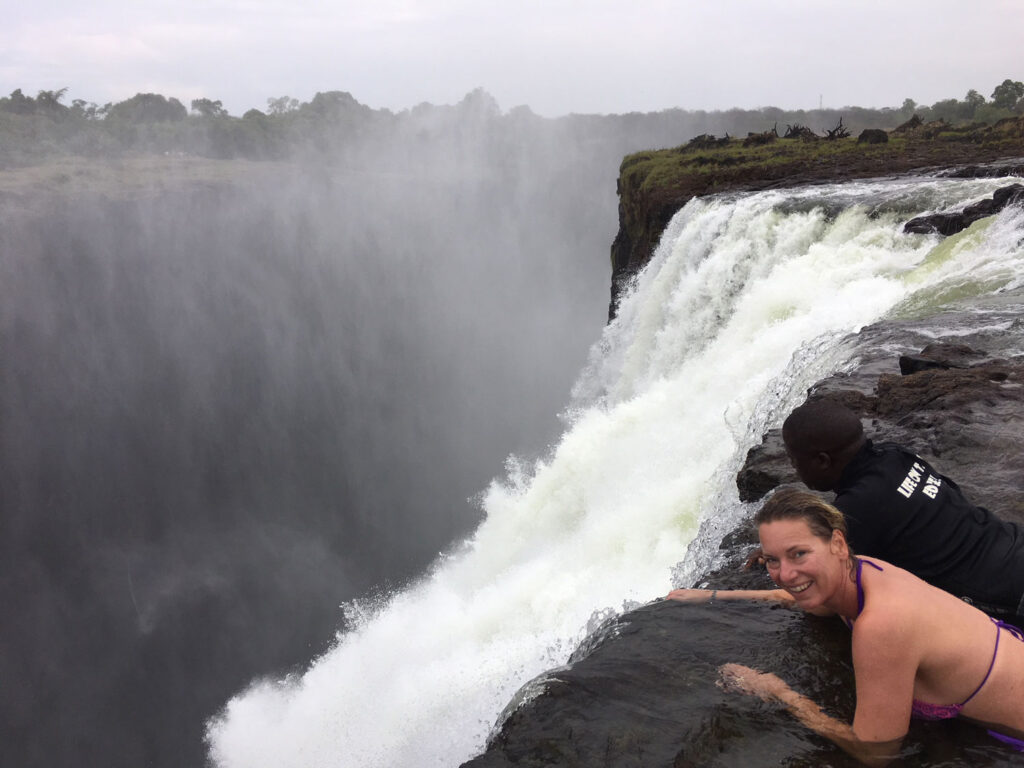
(67, 97)
(559, 59)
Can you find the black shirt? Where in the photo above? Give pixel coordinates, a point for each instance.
(898, 508)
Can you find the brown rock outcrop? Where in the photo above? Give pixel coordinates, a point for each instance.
(952, 404)
(951, 223)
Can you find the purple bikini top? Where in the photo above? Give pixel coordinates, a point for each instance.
(925, 711)
(922, 709)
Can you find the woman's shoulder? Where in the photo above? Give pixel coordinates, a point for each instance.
(898, 601)
(894, 598)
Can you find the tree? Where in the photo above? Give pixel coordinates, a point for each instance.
(18, 103)
(208, 108)
(48, 103)
(148, 108)
(86, 109)
(1008, 93)
(949, 110)
(333, 104)
(50, 98)
(972, 101)
(281, 105)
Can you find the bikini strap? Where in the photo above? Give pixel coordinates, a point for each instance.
(1013, 630)
(860, 589)
(995, 652)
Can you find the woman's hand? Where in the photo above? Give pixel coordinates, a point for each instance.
(756, 557)
(764, 685)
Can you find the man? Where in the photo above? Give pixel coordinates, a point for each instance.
(898, 508)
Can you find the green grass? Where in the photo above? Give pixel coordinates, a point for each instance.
(666, 168)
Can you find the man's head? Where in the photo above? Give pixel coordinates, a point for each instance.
(821, 437)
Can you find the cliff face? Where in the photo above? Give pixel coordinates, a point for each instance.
(653, 185)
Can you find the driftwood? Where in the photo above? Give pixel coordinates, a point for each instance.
(911, 125)
(707, 141)
(839, 132)
(757, 139)
(797, 131)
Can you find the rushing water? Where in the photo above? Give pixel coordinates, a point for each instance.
(746, 303)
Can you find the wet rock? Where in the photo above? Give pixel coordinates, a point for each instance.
(987, 171)
(645, 692)
(916, 363)
(941, 223)
(951, 223)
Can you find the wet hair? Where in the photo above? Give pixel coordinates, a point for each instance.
(823, 425)
(796, 504)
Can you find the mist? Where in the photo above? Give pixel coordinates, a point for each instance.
(237, 394)
(232, 403)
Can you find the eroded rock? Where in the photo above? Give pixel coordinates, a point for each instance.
(951, 223)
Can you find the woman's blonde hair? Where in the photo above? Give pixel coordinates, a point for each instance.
(795, 504)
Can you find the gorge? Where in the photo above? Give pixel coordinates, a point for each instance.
(244, 404)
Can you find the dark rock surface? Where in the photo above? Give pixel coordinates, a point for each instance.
(645, 693)
(951, 223)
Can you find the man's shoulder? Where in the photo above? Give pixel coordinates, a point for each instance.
(888, 450)
(874, 476)
(876, 462)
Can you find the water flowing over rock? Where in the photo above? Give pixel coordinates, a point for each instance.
(645, 207)
(942, 375)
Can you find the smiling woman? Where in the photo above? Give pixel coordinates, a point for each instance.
(917, 651)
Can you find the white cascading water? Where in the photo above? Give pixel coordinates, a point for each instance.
(743, 307)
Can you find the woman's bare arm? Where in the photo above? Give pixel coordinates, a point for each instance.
(770, 687)
(713, 595)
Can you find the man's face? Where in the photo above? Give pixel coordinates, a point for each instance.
(814, 469)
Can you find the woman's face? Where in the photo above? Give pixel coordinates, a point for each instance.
(809, 568)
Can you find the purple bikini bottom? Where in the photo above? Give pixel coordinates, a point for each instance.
(1015, 743)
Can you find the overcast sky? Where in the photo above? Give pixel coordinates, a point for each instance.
(557, 56)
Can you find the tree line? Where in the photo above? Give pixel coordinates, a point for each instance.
(33, 128)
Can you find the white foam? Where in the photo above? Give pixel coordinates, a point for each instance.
(741, 309)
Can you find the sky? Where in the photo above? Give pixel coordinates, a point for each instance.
(555, 56)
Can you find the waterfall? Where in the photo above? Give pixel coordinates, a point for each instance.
(748, 300)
